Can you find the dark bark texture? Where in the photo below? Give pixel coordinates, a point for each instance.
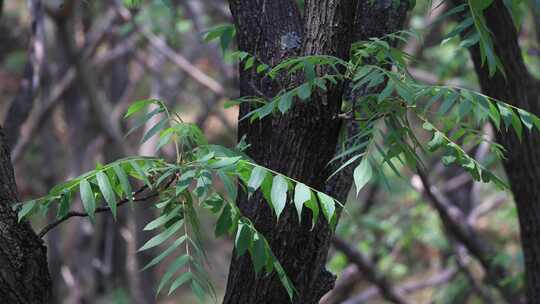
(298, 144)
(522, 165)
(24, 276)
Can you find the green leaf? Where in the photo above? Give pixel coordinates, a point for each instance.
(436, 142)
(88, 199)
(155, 129)
(124, 181)
(225, 162)
(279, 194)
(516, 124)
(181, 280)
(65, 202)
(107, 191)
(256, 179)
(214, 203)
(185, 181)
(362, 174)
(387, 91)
(138, 106)
(304, 91)
(140, 173)
(162, 220)
(314, 207)
(198, 290)
(285, 102)
(243, 239)
(165, 253)
(302, 194)
(285, 281)
(224, 222)
(506, 114)
(259, 254)
(526, 118)
(328, 205)
(162, 237)
(165, 138)
(495, 115)
(172, 269)
(26, 209)
(230, 185)
(309, 70)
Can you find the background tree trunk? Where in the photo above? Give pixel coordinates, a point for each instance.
(24, 276)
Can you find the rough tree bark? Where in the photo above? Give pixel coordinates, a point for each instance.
(298, 144)
(24, 276)
(301, 143)
(522, 165)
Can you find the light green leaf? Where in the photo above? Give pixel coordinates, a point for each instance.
(362, 174)
(285, 102)
(138, 106)
(302, 194)
(257, 177)
(243, 239)
(328, 205)
(162, 237)
(259, 255)
(162, 220)
(172, 269)
(279, 194)
(165, 253)
(181, 280)
(65, 202)
(304, 91)
(155, 129)
(26, 209)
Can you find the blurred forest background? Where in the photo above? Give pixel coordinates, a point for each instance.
(96, 57)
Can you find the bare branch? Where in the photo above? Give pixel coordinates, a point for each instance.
(369, 269)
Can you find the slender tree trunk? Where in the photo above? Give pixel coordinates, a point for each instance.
(298, 144)
(24, 277)
(522, 165)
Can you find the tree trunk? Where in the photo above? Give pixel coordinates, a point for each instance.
(522, 165)
(24, 276)
(298, 144)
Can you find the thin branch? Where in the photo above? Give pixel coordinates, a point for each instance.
(178, 59)
(71, 214)
(406, 288)
(368, 269)
(456, 223)
(22, 104)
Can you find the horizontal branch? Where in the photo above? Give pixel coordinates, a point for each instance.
(71, 214)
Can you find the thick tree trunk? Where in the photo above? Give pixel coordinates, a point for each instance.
(299, 144)
(24, 277)
(523, 158)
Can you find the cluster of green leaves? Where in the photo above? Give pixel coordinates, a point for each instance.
(184, 187)
(384, 100)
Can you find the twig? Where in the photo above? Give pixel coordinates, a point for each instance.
(406, 288)
(71, 214)
(178, 59)
(456, 223)
(367, 268)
